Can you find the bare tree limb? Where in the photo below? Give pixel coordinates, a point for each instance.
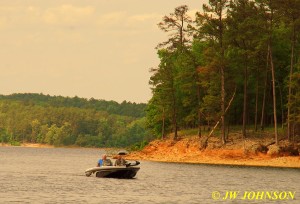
(203, 141)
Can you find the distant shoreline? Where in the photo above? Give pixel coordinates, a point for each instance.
(187, 151)
(38, 145)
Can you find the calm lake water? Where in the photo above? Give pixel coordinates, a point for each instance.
(56, 175)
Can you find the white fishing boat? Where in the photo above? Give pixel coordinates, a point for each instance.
(128, 171)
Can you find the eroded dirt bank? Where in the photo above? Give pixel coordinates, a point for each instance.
(233, 153)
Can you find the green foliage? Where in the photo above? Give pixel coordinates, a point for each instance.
(15, 143)
(134, 133)
(32, 118)
(4, 137)
(138, 146)
(89, 141)
(230, 42)
(111, 107)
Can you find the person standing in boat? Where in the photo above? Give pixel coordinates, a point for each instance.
(120, 161)
(104, 161)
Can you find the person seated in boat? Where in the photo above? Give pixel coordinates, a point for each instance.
(104, 161)
(120, 161)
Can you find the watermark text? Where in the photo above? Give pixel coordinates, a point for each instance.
(253, 195)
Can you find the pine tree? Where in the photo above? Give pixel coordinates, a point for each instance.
(212, 27)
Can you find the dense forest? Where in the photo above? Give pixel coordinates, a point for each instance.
(237, 64)
(63, 121)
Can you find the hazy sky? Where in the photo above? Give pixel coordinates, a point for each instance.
(89, 48)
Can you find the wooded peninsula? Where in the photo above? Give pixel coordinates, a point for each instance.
(236, 64)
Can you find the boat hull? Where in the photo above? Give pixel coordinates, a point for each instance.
(113, 172)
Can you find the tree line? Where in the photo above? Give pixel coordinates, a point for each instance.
(237, 63)
(63, 121)
(112, 107)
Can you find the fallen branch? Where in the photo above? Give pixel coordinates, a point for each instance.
(203, 141)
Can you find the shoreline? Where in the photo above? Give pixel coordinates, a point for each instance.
(38, 145)
(30, 145)
(110, 151)
(224, 164)
(286, 162)
(166, 151)
(187, 151)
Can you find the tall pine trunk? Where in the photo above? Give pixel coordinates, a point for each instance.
(262, 119)
(290, 83)
(274, 96)
(223, 105)
(174, 115)
(273, 76)
(281, 106)
(199, 111)
(222, 78)
(245, 100)
(256, 103)
(163, 125)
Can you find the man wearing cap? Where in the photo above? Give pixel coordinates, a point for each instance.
(104, 161)
(120, 161)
